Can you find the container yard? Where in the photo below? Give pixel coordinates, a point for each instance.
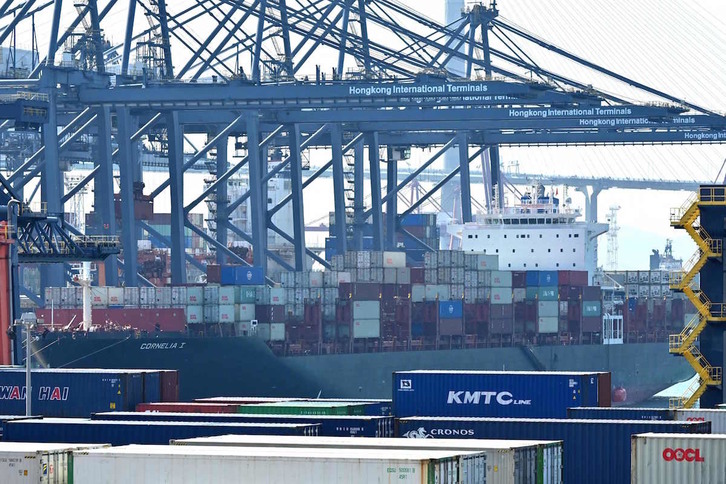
(362, 241)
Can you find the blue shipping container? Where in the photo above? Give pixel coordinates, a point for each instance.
(330, 425)
(621, 413)
(451, 310)
(548, 278)
(496, 393)
(532, 278)
(71, 392)
(249, 276)
(77, 431)
(595, 451)
(228, 275)
(416, 220)
(152, 386)
(6, 418)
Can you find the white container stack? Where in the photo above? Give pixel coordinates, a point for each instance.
(22, 462)
(678, 459)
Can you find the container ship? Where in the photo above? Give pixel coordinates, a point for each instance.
(516, 295)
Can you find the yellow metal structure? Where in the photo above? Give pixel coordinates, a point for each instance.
(684, 343)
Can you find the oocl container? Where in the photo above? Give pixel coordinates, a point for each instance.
(330, 425)
(595, 451)
(676, 458)
(22, 463)
(507, 461)
(302, 466)
(496, 393)
(69, 430)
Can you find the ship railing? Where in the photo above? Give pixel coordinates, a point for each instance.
(680, 402)
(712, 195)
(678, 213)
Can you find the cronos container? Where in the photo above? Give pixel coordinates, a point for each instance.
(37, 463)
(595, 451)
(496, 393)
(506, 461)
(70, 430)
(71, 392)
(330, 425)
(185, 464)
(675, 458)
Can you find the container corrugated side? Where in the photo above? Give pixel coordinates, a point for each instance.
(184, 464)
(529, 461)
(595, 451)
(330, 425)
(493, 394)
(717, 417)
(303, 408)
(677, 459)
(622, 413)
(137, 432)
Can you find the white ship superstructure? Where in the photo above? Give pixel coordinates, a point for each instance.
(539, 233)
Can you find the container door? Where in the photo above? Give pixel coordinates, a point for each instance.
(604, 389)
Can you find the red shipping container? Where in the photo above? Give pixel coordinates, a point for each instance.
(403, 291)
(520, 311)
(417, 311)
(214, 273)
(484, 311)
(187, 407)
(574, 309)
(592, 324)
(417, 275)
(169, 385)
(501, 326)
(574, 293)
(591, 293)
(471, 313)
(451, 327)
(345, 290)
(499, 311)
(366, 291)
(519, 279)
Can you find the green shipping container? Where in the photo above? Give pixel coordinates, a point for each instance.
(549, 293)
(303, 408)
(247, 294)
(532, 293)
(591, 308)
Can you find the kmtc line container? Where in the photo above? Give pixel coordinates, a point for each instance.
(188, 464)
(71, 393)
(677, 459)
(330, 425)
(507, 461)
(595, 451)
(22, 463)
(496, 393)
(717, 417)
(303, 408)
(137, 432)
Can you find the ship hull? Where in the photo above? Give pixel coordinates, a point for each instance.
(246, 366)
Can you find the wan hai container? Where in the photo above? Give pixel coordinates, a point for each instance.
(506, 461)
(595, 451)
(496, 393)
(185, 464)
(678, 459)
(22, 463)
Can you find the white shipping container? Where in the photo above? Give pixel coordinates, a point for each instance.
(632, 277)
(547, 325)
(278, 295)
(418, 292)
(483, 293)
(227, 295)
(487, 262)
(316, 279)
(226, 313)
(505, 458)
(485, 278)
(185, 464)
(389, 275)
(263, 331)
(366, 328)
(179, 295)
(456, 291)
(403, 275)
(163, 297)
(434, 291)
(245, 312)
(99, 296)
(501, 295)
(394, 259)
(643, 291)
(548, 309)
(655, 291)
(520, 294)
(678, 459)
(717, 417)
(277, 331)
(194, 314)
(644, 277)
(115, 296)
(366, 310)
(195, 295)
(502, 279)
(343, 277)
(131, 296)
(211, 294)
(22, 462)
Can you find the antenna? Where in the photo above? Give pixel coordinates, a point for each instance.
(612, 260)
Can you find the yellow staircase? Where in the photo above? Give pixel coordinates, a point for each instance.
(684, 343)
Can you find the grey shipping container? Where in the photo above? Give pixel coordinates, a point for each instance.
(678, 458)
